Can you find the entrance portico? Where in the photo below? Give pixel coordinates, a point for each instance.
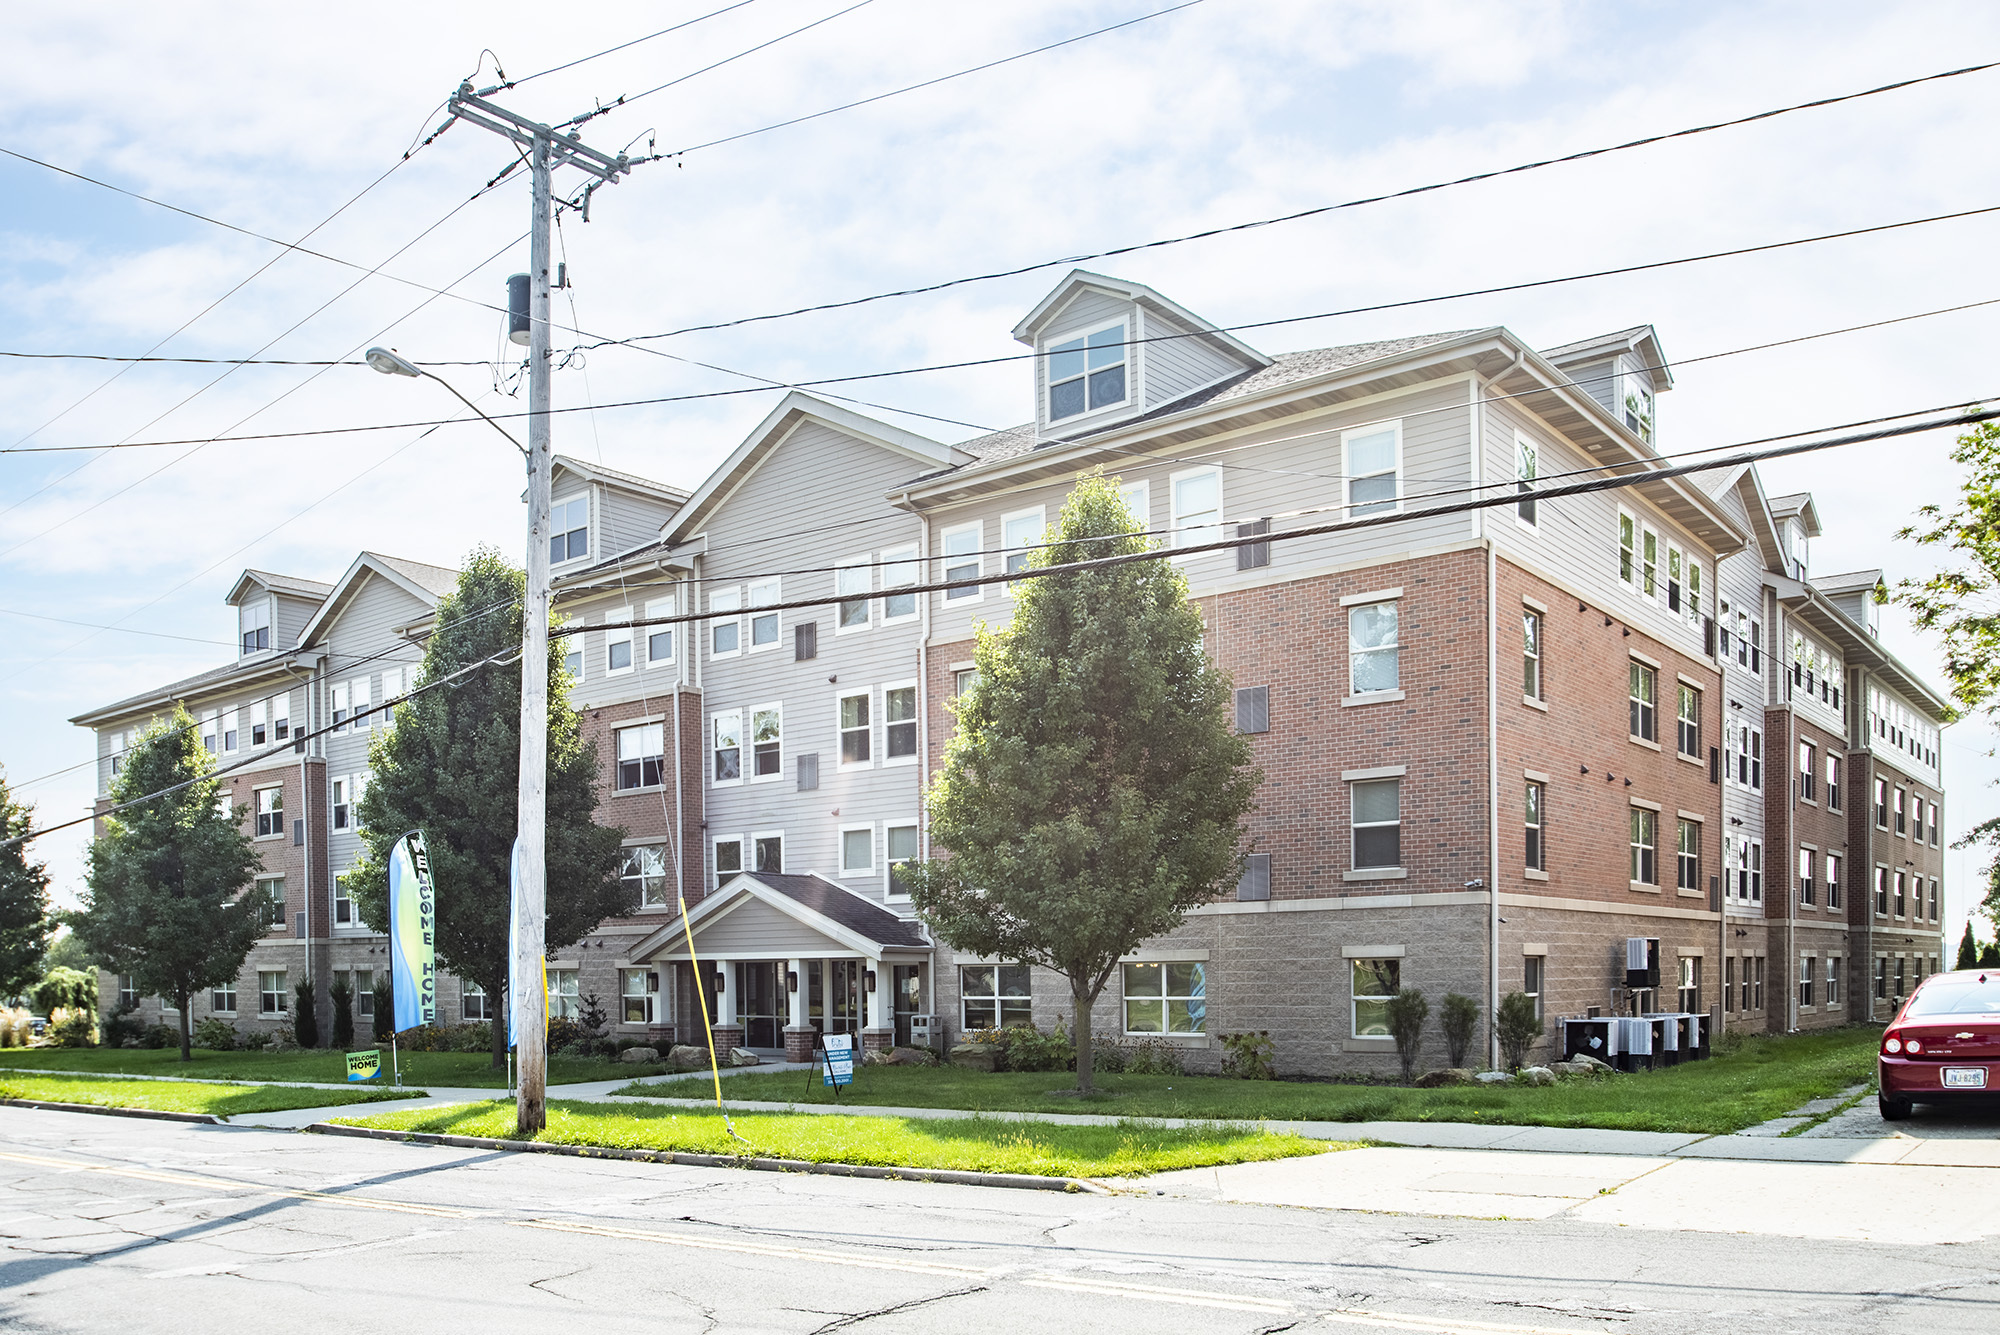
(786, 959)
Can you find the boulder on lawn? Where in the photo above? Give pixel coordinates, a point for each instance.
(687, 1057)
(1494, 1078)
(974, 1056)
(1536, 1075)
(744, 1057)
(1584, 1059)
(638, 1056)
(876, 1058)
(909, 1057)
(1451, 1075)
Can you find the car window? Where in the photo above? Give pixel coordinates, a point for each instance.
(1957, 998)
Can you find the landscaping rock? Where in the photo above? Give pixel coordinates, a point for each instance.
(687, 1057)
(1536, 1075)
(1455, 1075)
(1494, 1078)
(1585, 1059)
(744, 1057)
(909, 1057)
(637, 1055)
(974, 1056)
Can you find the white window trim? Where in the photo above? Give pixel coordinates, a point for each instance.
(865, 562)
(742, 861)
(709, 749)
(734, 609)
(975, 592)
(623, 637)
(748, 766)
(909, 684)
(752, 610)
(1037, 513)
(1177, 535)
(1395, 692)
(1130, 351)
(1347, 479)
(888, 888)
(661, 607)
(255, 796)
(589, 498)
(1143, 512)
(840, 761)
(1524, 442)
(844, 831)
(913, 556)
(750, 850)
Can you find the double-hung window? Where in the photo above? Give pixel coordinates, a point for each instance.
(1833, 880)
(768, 850)
(1833, 980)
(565, 999)
(1808, 865)
(1645, 866)
(899, 846)
(1750, 757)
(1808, 975)
(255, 620)
(1537, 852)
(857, 850)
(638, 995)
(900, 568)
(1934, 825)
(1020, 536)
(992, 996)
(229, 732)
(899, 722)
(1644, 688)
(569, 530)
(343, 809)
(853, 580)
(659, 639)
(1373, 651)
(1688, 733)
(1087, 373)
(1197, 497)
(1881, 892)
(1531, 655)
(1533, 970)
(1373, 457)
(1526, 470)
(1832, 782)
(1378, 823)
(642, 756)
(726, 746)
(767, 742)
(1373, 984)
(1808, 771)
(473, 1003)
(1138, 500)
(644, 874)
(764, 625)
(856, 729)
(728, 859)
(1688, 875)
(258, 735)
(358, 693)
(341, 711)
(272, 888)
(1628, 550)
(1917, 819)
(222, 998)
(343, 901)
(618, 643)
(1638, 405)
(725, 628)
(1902, 816)
(1902, 894)
(270, 812)
(1881, 804)
(271, 993)
(281, 717)
(961, 561)
(1166, 998)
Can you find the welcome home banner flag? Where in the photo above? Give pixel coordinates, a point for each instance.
(412, 933)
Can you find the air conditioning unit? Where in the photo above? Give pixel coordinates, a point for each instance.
(1642, 961)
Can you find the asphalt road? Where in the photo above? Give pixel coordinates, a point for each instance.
(112, 1224)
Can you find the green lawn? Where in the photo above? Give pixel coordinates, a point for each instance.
(463, 1070)
(1764, 1078)
(1041, 1148)
(183, 1095)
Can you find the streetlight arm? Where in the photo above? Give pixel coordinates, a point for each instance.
(389, 362)
(482, 416)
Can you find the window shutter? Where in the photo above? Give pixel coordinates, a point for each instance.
(1253, 554)
(1714, 765)
(1708, 636)
(1253, 709)
(298, 832)
(805, 641)
(1256, 882)
(809, 772)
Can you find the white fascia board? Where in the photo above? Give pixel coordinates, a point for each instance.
(1060, 296)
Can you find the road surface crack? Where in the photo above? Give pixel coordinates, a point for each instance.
(856, 1318)
(550, 1279)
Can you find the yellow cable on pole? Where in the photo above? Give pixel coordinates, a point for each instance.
(707, 1025)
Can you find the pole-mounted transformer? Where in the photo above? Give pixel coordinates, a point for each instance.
(517, 309)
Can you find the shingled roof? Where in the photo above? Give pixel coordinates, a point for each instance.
(843, 906)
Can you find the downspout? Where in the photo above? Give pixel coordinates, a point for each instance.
(1479, 445)
(924, 701)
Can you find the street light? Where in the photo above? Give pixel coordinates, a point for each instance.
(390, 363)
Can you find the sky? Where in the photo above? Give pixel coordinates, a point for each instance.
(293, 123)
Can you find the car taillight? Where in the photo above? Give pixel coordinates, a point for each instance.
(1892, 1045)
(1914, 1046)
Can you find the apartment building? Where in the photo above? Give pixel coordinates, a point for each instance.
(1498, 742)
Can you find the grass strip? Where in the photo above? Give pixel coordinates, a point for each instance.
(453, 1070)
(1757, 1079)
(968, 1144)
(184, 1096)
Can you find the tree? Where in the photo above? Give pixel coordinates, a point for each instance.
(1406, 1013)
(1516, 1025)
(305, 1013)
(1459, 1018)
(24, 900)
(342, 996)
(165, 885)
(1962, 601)
(1968, 949)
(1095, 787)
(449, 767)
(1986, 834)
(1989, 955)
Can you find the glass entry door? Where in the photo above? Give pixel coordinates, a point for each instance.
(760, 1005)
(834, 1001)
(909, 998)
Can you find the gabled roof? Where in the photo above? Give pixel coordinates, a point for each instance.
(794, 409)
(811, 900)
(614, 478)
(289, 584)
(1079, 279)
(1798, 503)
(214, 680)
(1853, 581)
(1640, 340)
(426, 583)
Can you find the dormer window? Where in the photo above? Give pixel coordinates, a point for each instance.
(569, 530)
(1087, 373)
(255, 620)
(1639, 406)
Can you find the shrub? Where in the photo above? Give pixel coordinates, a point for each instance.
(256, 1040)
(563, 1032)
(1248, 1056)
(385, 1008)
(121, 1030)
(1407, 1012)
(64, 989)
(1154, 1056)
(305, 1015)
(342, 996)
(1517, 1026)
(1107, 1058)
(1458, 1017)
(159, 1036)
(73, 1027)
(1029, 1049)
(16, 1024)
(474, 1037)
(215, 1033)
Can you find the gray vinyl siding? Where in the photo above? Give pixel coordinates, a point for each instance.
(1176, 367)
(289, 617)
(1089, 310)
(627, 519)
(834, 474)
(755, 928)
(1599, 380)
(1741, 584)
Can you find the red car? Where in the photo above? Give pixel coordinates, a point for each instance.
(1943, 1045)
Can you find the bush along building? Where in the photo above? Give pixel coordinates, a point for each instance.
(1499, 744)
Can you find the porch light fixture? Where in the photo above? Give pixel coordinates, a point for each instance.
(721, 977)
(791, 980)
(868, 978)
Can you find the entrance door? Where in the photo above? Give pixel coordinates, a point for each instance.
(758, 1005)
(908, 997)
(834, 1002)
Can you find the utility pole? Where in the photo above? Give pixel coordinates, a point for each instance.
(547, 148)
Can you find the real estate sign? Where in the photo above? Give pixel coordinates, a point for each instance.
(839, 1068)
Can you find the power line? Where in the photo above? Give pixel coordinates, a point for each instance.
(975, 363)
(1287, 217)
(932, 83)
(122, 630)
(609, 50)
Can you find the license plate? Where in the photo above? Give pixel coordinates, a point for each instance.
(1965, 1077)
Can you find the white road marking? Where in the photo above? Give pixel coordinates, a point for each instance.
(1446, 1325)
(1148, 1293)
(749, 1248)
(240, 1188)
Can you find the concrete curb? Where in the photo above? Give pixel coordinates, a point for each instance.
(151, 1114)
(948, 1176)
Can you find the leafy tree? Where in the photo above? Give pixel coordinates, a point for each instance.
(1095, 787)
(342, 994)
(66, 951)
(65, 989)
(1968, 949)
(164, 891)
(1962, 601)
(1989, 955)
(305, 1014)
(1459, 1018)
(1406, 1013)
(1517, 1026)
(450, 768)
(24, 900)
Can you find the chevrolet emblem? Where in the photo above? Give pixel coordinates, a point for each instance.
(1967, 1034)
